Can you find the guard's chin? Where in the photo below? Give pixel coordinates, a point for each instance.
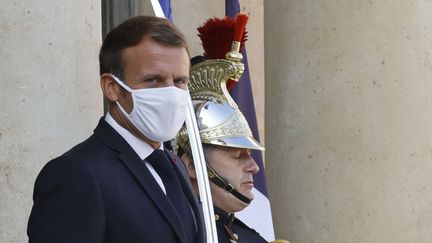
(250, 195)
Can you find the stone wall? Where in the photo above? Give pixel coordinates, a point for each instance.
(50, 94)
(349, 112)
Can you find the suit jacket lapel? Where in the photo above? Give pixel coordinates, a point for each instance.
(141, 173)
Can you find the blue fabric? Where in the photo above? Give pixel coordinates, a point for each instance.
(232, 7)
(166, 8)
(243, 96)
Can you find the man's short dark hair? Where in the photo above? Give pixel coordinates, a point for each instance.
(130, 33)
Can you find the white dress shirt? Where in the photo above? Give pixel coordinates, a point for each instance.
(142, 148)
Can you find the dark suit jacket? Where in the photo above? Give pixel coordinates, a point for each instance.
(101, 191)
(229, 228)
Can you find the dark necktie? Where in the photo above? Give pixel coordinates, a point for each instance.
(160, 162)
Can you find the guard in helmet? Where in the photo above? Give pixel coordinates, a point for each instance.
(225, 134)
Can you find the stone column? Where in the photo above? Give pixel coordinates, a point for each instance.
(50, 94)
(348, 119)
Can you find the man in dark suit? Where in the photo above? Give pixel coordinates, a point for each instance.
(119, 185)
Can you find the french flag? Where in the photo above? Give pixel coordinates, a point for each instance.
(166, 8)
(258, 214)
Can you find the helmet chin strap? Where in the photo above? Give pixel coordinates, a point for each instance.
(222, 183)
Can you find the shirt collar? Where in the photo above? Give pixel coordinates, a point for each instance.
(142, 148)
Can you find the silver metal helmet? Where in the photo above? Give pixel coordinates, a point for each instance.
(220, 122)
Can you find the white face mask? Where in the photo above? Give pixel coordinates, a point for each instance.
(158, 113)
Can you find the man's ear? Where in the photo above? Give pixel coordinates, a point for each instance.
(189, 165)
(109, 87)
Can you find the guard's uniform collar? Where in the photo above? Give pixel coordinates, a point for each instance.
(226, 219)
(223, 217)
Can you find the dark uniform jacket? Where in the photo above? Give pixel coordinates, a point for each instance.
(102, 192)
(230, 229)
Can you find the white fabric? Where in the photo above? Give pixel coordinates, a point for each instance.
(258, 215)
(158, 113)
(140, 147)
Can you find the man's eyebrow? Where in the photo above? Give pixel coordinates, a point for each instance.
(183, 78)
(150, 75)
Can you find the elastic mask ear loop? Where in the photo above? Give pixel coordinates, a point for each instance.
(124, 86)
(121, 83)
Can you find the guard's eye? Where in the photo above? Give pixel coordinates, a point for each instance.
(237, 155)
